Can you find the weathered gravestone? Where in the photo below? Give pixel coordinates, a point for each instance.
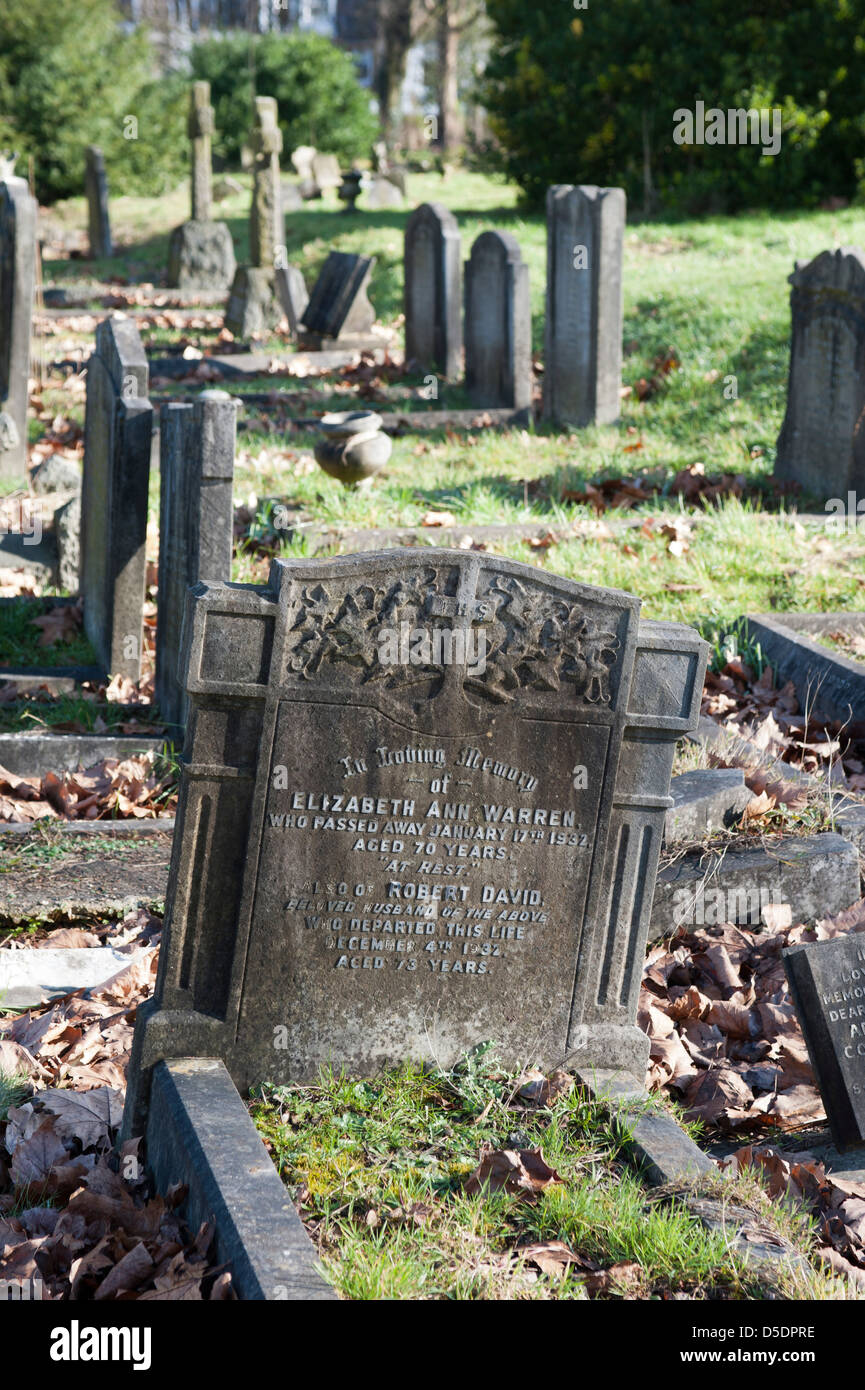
(822, 441)
(325, 171)
(201, 252)
(253, 305)
(196, 517)
(422, 804)
(96, 190)
(338, 313)
(383, 193)
(433, 292)
(498, 323)
(17, 279)
(293, 296)
(583, 327)
(827, 982)
(118, 427)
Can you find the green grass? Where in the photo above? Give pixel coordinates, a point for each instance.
(19, 640)
(13, 1089)
(32, 712)
(379, 1167)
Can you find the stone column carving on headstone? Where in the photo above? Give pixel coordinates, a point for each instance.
(118, 429)
(433, 290)
(498, 323)
(17, 281)
(583, 329)
(201, 252)
(196, 516)
(390, 848)
(96, 188)
(822, 441)
(254, 305)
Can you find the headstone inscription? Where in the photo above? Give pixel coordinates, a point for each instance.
(17, 280)
(827, 982)
(118, 428)
(422, 806)
(583, 327)
(433, 290)
(253, 305)
(822, 441)
(96, 189)
(201, 252)
(196, 517)
(339, 312)
(498, 323)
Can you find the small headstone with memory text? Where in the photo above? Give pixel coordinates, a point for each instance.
(827, 981)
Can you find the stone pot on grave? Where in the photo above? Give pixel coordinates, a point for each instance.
(349, 189)
(353, 447)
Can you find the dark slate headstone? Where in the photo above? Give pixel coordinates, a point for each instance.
(822, 441)
(196, 517)
(96, 190)
(17, 280)
(433, 294)
(498, 323)
(118, 429)
(422, 804)
(583, 326)
(338, 308)
(827, 982)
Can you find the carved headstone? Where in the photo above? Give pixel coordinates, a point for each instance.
(338, 311)
(201, 252)
(253, 306)
(822, 441)
(118, 429)
(583, 328)
(422, 805)
(196, 517)
(498, 323)
(827, 981)
(433, 293)
(17, 280)
(96, 189)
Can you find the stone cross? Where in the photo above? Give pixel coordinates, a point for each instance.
(422, 805)
(118, 432)
(498, 323)
(265, 219)
(200, 130)
(433, 294)
(196, 516)
(583, 326)
(822, 441)
(17, 282)
(96, 186)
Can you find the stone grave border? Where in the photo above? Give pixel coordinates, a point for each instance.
(829, 682)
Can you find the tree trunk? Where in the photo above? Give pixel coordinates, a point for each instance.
(450, 131)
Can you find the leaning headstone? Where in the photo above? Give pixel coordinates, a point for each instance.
(822, 441)
(196, 516)
(118, 427)
(17, 280)
(253, 305)
(498, 323)
(827, 982)
(433, 293)
(383, 193)
(583, 327)
(302, 158)
(96, 189)
(201, 252)
(326, 171)
(339, 313)
(421, 809)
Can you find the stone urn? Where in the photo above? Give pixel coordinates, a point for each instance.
(349, 189)
(353, 447)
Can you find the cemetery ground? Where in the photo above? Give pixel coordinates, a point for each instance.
(476, 1181)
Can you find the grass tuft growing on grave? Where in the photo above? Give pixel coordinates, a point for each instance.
(20, 640)
(379, 1171)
